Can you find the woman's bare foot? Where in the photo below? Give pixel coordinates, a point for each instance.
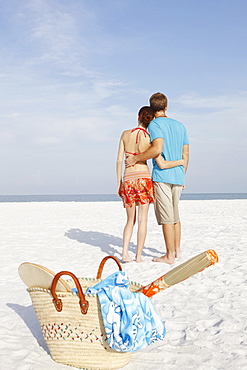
(164, 259)
(178, 254)
(138, 259)
(126, 259)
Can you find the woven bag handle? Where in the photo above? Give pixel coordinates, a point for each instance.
(58, 302)
(102, 264)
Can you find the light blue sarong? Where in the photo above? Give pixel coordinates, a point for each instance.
(130, 320)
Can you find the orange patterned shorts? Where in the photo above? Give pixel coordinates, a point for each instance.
(137, 187)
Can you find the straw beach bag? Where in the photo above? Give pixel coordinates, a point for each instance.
(72, 323)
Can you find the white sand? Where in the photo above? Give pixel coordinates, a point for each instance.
(205, 316)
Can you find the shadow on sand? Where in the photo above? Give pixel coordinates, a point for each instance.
(28, 315)
(109, 244)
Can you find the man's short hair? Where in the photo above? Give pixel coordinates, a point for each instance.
(158, 101)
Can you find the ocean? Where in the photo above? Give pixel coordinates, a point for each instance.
(109, 197)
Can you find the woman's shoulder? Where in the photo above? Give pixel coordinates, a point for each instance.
(126, 132)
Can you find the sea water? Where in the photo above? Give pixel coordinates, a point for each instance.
(109, 197)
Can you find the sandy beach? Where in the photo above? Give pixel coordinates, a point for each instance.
(205, 316)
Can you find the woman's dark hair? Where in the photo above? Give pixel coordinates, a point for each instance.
(145, 114)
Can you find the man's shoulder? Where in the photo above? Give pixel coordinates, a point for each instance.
(155, 122)
(173, 121)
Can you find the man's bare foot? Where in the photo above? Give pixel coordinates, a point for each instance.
(178, 255)
(164, 259)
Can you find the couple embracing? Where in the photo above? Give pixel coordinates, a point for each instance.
(166, 142)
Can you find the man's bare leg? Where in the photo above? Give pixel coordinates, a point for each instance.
(169, 236)
(177, 227)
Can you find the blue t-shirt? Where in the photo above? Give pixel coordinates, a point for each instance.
(175, 136)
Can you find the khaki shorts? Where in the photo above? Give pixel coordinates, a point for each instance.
(166, 202)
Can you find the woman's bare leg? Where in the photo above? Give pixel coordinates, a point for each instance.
(142, 229)
(128, 230)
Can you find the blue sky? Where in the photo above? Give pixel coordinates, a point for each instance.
(74, 74)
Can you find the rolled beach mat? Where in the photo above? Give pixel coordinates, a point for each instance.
(181, 272)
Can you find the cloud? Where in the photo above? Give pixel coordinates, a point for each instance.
(107, 88)
(217, 135)
(12, 115)
(215, 118)
(49, 33)
(237, 100)
(65, 38)
(44, 141)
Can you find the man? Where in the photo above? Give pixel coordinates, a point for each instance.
(168, 138)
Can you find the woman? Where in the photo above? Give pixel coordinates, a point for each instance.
(136, 188)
